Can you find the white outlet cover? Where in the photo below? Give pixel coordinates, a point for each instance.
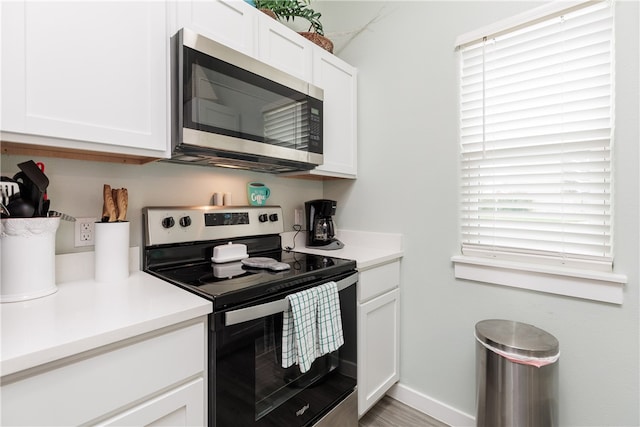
(84, 232)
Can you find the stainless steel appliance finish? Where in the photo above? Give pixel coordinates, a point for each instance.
(343, 414)
(247, 384)
(257, 311)
(231, 110)
(513, 391)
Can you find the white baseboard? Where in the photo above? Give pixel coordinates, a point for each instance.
(431, 407)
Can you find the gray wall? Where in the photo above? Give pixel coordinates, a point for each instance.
(408, 183)
(76, 188)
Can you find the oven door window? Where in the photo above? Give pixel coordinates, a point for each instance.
(253, 389)
(275, 384)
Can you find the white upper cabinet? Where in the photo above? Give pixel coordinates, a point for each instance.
(242, 27)
(246, 29)
(283, 48)
(94, 76)
(86, 75)
(230, 22)
(339, 81)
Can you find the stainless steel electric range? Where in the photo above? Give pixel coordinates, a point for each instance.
(247, 384)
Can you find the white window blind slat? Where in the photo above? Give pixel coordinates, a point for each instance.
(536, 139)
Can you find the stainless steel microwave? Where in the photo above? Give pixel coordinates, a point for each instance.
(231, 110)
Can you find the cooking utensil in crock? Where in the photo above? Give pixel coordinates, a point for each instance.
(29, 192)
(20, 208)
(8, 187)
(12, 200)
(33, 174)
(115, 204)
(62, 216)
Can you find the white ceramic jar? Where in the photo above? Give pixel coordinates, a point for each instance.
(28, 253)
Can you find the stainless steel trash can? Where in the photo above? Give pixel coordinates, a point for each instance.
(516, 375)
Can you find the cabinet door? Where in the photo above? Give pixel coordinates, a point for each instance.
(378, 348)
(283, 48)
(339, 81)
(86, 72)
(183, 406)
(88, 387)
(229, 22)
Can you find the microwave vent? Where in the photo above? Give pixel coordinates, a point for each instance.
(231, 160)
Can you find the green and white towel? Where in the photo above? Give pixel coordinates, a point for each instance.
(299, 330)
(330, 336)
(311, 325)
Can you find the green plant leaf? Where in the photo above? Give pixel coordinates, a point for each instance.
(290, 9)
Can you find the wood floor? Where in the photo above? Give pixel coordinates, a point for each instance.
(389, 412)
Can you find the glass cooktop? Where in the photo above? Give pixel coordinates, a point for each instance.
(232, 283)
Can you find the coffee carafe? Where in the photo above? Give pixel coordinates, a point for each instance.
(320, 228)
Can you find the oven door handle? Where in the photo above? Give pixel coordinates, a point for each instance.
(258, 311)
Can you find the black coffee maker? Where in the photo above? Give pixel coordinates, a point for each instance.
(321, 230)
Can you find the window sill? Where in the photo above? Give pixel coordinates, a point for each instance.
(592, 285)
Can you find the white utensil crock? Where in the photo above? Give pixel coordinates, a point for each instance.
(111, 251)
(28, 253)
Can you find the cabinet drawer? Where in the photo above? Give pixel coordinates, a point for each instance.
(183, 406)
(90, 387)
(378, 280)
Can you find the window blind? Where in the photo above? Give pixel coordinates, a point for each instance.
(536, 139)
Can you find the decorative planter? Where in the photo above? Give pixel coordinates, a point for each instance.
(321, 41)
(269, 12)
(316, 38)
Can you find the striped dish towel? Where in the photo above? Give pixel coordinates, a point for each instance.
(330, 336)
(299, 329)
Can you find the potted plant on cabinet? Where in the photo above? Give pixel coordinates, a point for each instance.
(290, 9)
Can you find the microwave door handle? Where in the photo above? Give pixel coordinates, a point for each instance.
(263, 310)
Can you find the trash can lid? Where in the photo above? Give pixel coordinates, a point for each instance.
(518, 338)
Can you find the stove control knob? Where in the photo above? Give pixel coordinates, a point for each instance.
(185, 221)
(168, 222)
(273, 217)
(263, 217)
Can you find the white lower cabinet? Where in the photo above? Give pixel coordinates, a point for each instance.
(158, 378)
(378, 333)
(183, 406)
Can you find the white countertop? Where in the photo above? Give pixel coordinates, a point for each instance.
(368, 249)
(83, 315)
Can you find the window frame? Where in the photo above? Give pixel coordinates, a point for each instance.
(541, 275)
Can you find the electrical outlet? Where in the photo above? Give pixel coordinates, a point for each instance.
(84, 231)
(297, 217)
